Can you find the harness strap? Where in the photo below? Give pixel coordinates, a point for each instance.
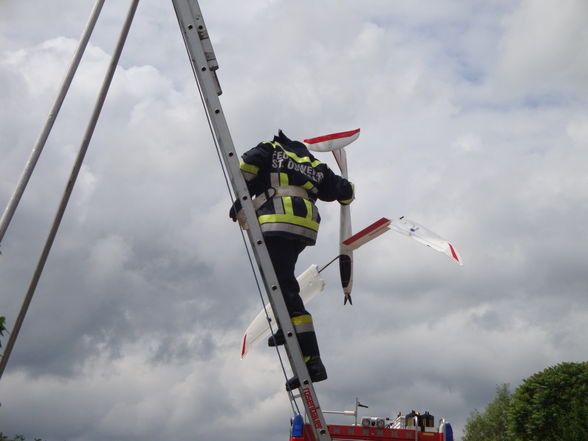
(280, 191)
(272, 192)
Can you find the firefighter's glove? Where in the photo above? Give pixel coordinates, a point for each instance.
(235, 208)
(352, 198)
(237, 214)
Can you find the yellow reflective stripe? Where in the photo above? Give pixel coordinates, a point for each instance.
(289, 219)
(308, 209)
(301, 319)
(288, 208)
(308, 185)
(284, 179)
(295, 157)
(249, 168)
(307, 358)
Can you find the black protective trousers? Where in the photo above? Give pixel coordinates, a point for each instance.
(284, 253)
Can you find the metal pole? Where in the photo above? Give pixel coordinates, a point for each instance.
(40, 144)
(70, 184)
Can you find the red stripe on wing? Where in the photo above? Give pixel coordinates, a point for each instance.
(331, 136)
(453, 253)
(244, 346)
(366, 231)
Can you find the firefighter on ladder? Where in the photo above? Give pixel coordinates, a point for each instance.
(286, 180)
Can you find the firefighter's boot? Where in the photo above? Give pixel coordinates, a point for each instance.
(316, 371)
(277, 339)
(310, 351)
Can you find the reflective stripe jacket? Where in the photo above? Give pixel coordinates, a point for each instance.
(284, 162)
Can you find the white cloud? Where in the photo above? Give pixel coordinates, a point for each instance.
(137, 322)
(468, 142)
(542, 50)
(109, 255)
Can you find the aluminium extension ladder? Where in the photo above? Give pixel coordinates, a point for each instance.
(204, 65)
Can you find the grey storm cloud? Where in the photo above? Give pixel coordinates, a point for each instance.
(474, 123)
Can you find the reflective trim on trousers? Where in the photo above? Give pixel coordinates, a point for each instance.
(303, 323)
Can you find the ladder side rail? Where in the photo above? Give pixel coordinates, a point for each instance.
(204, 64)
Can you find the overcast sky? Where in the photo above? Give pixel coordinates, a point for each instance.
(474, 123)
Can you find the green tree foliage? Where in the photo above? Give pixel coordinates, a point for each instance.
(552, 405)
(492, 424)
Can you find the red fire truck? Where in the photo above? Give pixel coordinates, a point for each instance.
(413, 426)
